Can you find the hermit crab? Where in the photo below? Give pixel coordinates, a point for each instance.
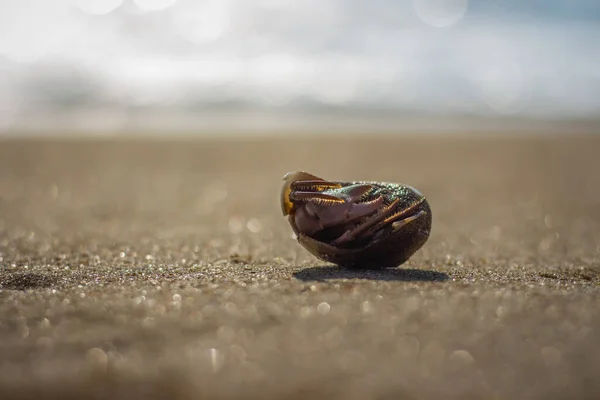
(356, 224)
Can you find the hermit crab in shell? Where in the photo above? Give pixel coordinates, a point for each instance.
(356, 224)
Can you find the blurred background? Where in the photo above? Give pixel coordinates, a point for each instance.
(105, 67)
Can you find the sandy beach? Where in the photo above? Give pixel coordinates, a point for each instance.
(163, 269)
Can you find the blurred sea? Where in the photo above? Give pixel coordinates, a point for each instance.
(110, 66)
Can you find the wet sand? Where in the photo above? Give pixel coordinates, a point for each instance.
(164, 269)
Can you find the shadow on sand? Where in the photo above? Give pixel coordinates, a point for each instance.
(327, 272)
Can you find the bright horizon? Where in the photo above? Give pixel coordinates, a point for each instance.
(114, 60)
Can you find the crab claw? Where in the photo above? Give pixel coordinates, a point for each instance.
(316, 204)
(304, 185)
(316, 217)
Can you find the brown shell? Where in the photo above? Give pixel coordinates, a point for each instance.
(387, 247)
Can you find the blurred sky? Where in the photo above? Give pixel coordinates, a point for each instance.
(116, 58)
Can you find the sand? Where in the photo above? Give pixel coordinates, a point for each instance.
(164, 269)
